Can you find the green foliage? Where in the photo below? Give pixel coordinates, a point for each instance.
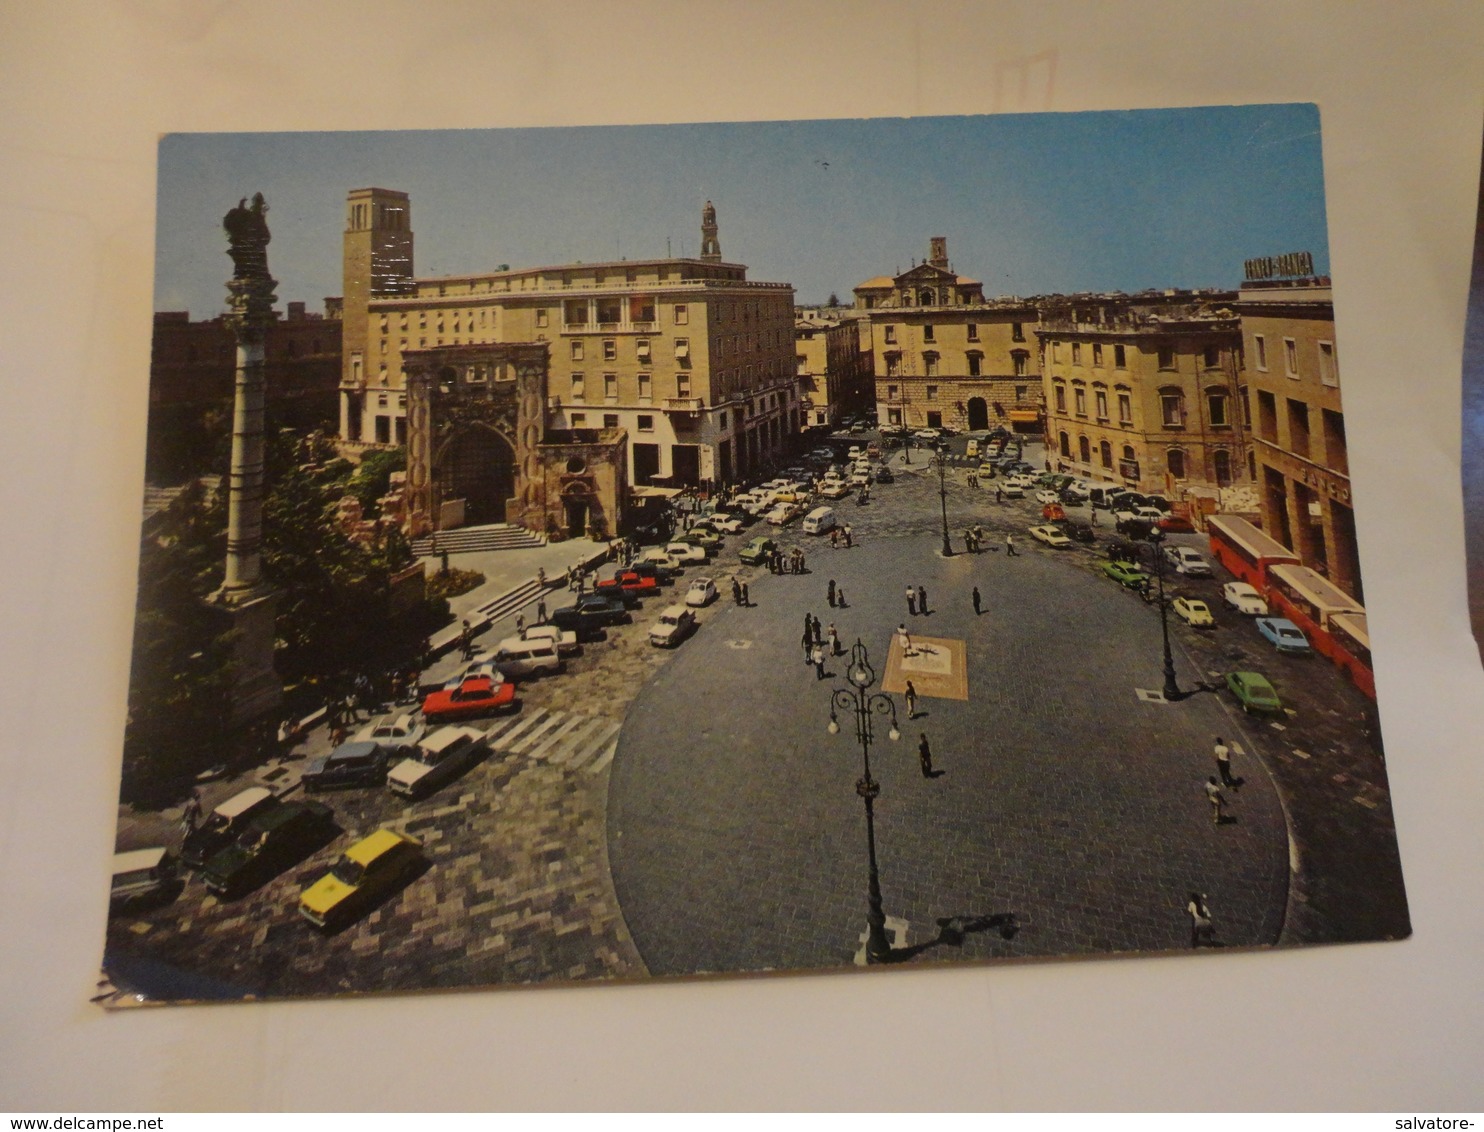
(452, 583)
(373, 478)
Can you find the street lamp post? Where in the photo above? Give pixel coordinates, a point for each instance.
(1156, 541)
(943, 496)
(863, 703)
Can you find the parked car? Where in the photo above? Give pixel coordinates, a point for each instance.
(368, 870)
(475, 696)
(1244, 599)
(356, 763)
(565, 640)
(702, 591)
(757, 551)
(725, 524)
(675, 624)
(224, 823)
(273, 841)
(1126, 574)
(1194, 612)
(1188, 562)
(1048, 497)
(520, 657)
(1175, 524)
(971, 449)
(884, 475)
(782, 514)
(1053, 512)
(1254, 692)
(437, 760)
(928, 434)
(709, 541)
(631, 586)
(1078, 532)
(1284, 635)
(1051, 536)
(687, 552)
(142, 877)
(835, 489)
(1012, 490)
(401, 730)
(663, 575)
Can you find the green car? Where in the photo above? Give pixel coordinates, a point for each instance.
(1254, 692)
(758, 551)
(707, 539)
(1126, 574)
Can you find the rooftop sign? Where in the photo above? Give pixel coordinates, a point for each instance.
(1276, 266)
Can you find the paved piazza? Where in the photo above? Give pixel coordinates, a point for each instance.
(656, 812)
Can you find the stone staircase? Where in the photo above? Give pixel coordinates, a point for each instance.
(495, 536)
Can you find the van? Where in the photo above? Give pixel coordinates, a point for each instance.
(141, 876)
(224, 823)
(516, 657)
(819, 520)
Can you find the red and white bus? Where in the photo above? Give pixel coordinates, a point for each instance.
(1333, 620)
(1245, 550)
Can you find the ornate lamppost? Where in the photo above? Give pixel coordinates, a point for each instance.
(1156, 544)
(863, 703)
(942, 450)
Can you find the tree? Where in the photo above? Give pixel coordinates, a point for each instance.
(834, 300)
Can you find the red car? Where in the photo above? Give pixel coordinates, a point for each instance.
(478, 695)
(631, 585)
(1175, 524)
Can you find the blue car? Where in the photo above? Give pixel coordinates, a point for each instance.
(1284, 634)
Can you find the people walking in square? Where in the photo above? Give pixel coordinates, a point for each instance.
(1010, 551)
(911, 602)
(191, 814)
(814, 628)
(541, 611)
(999, 494)
(977, 602)
(1217, 800)
(840, 597)
(746, 597)
(849, 536)
(520, 624)
(1201, 931)
(807, 642)
(978, 536)
(910, 695)
(924, 755)
(922, 606)
(817, 656)
(904, 639)
(1224, 765)
(968, 540)
(803, 563)
(736, 592)
(831, 593)
(835, 649)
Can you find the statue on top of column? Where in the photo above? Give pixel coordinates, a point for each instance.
(251, 287)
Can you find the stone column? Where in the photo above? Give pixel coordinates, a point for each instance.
(252, 604)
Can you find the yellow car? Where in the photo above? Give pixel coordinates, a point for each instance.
(367, 871)
(1196, 614)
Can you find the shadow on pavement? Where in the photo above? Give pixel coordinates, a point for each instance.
(952, 931)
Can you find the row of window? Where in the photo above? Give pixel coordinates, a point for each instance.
(1210, 355)
(1329, 373)
(1176, 462)
(642, 349)
(931, 363)
(893, 392)
(930, 332)
(610, 386)
(1171, 405)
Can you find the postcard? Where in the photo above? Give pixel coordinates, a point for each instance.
(622, 553)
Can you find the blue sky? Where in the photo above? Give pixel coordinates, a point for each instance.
(1029, 203)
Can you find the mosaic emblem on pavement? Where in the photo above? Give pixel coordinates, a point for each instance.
(936, 666)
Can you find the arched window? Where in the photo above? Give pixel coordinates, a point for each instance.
(925, 297)
(1084, 449)
(1128, 453)
(1105, 451)
(1065, 442)
(1175, 461)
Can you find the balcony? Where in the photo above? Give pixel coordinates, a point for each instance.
(684, 404)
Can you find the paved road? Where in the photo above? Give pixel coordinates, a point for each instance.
(738, 843)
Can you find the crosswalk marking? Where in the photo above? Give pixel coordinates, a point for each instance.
(562, 732)
(562, 738)
(591, 744)
(602, 760)
(577, 738)
(523, 722)
(535, 734)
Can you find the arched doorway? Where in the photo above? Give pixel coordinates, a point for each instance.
(978, 414)
(580, 510)
(477, 466)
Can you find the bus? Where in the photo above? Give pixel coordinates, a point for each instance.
(1316, 605)
(1244, 550)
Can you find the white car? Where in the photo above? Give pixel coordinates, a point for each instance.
(392, 731)
(686, 552)
(928, 434)
(727, 524)
(702, 591)
(860, 479)
(783, 513)
(1186, 561)
(659, 556)
(1080, 488)
(482, 665)
(566, 643)
(675, 624)
(1012, 490)
(856, 452)
(1046, 495)
(515, 656)
(437, 760)
(835, 489)
(1244, 599)
(1051, 536)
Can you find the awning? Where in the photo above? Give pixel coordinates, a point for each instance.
(651, 492)
(1024, 415)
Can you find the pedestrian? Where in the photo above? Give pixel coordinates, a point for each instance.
(840, 597)
(835, 649)
(999, 495)
(911, 696)
(1010, 551)
(1201, 931)
(520, 624)
(803, 563)
(924, 755)
(736, 592)
(911, 602)
(904, 639)
(830, 593)
(978, 535)
(541, 577)
(977, 601)
(466, 639)
(818, 657)
(1224, 764)
(746, 597)
(807, 642)
(1094, 516)
(849, 536)
(1217, 800)
(814, 628)
(834, 538)
(191, 814)
(968, 540)
(922, 601)
(541, 612)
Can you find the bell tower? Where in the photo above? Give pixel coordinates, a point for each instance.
(710, 243)
(938, 251)
(376, 262)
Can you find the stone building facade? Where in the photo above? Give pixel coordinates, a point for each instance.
(1291, 385)
(690, 360)
(833, 370)
(943, 355)
(1142, 390)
